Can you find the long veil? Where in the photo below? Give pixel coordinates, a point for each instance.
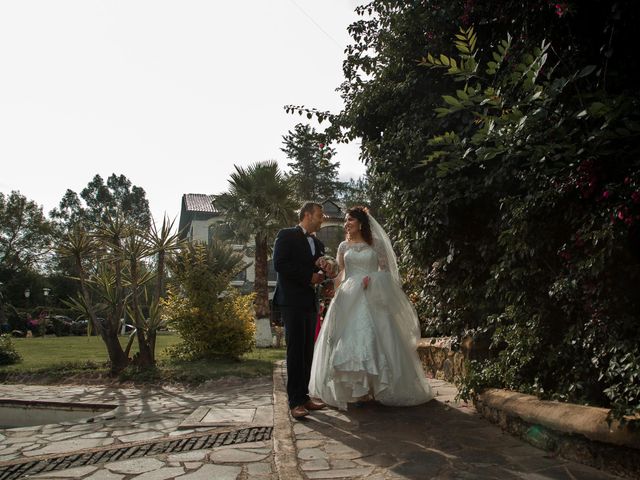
(383, 243)
(403, 311)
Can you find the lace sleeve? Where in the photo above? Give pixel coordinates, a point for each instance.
(340, 256)
(383, 261)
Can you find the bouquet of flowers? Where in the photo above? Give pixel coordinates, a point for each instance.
(328, 265)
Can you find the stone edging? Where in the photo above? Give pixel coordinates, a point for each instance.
(284, 449)
(590, 422)
(576, 432)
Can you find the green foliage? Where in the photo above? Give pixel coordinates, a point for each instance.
(225, 329)
(557, 255)
(112, 263)
(211, 317)
(25, 234)
(356, 192)
(314, 174)
(8, 353)
(100, 201)
(508, 173)
(203, 272)
(259, 202)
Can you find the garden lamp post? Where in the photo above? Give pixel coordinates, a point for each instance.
(45, 292)
(27, 294)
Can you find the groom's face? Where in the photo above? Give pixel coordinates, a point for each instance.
(315, 219)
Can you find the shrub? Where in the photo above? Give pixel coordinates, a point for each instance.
(8, 353)
(541, 171)
(212, 318)
(226, 329)
(16, 320)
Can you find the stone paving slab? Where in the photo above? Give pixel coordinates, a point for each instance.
(208, 416)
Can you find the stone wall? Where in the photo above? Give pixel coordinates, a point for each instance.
(439, 360)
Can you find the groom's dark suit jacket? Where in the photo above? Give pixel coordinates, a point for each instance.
(295, 264)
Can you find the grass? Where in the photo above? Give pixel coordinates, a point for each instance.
(56, 359)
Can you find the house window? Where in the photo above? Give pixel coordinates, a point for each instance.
(241, 276)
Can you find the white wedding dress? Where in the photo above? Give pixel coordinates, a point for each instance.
(367, 343)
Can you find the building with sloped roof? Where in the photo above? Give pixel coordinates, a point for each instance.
(197, 217)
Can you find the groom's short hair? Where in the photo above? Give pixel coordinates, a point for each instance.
(308, 207)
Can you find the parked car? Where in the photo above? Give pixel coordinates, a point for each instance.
(60, 325)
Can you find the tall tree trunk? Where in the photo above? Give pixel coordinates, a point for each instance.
(261, 286)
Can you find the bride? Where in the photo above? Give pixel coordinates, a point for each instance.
(366, 348)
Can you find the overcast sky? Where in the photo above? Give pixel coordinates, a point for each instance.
(171, 94)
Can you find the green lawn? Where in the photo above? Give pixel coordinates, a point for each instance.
(60, 357)
(46, 352)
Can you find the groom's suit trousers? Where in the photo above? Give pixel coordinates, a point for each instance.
(299, 324)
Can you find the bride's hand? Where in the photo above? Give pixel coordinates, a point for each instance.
(365, 282)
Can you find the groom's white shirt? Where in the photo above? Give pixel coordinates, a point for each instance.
(312, 244)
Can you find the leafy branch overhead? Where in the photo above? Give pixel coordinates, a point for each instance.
(310, 113)
(464, 68)
(504, 103)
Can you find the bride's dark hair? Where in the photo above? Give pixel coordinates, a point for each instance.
(360, 214)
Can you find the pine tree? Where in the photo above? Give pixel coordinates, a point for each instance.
(314, 176)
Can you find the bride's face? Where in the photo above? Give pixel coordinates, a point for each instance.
(351, 225)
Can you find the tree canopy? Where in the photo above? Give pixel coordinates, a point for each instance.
(25, 233)
(258, 203)
(99, 200)
(314, 174)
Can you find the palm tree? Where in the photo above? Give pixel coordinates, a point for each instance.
(259, 202)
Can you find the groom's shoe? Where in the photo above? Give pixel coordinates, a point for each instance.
(299, 412)
(311, 405)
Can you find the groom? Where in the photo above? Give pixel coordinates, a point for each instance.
(294, 257)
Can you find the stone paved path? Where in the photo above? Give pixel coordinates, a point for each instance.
(439, 440)
(442, 439)
(144, 416)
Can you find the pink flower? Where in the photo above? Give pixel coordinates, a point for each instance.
(605, 194)
(321, 145)
(620, 215)
(561, 9)
(635, 197)
(627, 180)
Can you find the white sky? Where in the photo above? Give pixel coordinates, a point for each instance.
(171, 94)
